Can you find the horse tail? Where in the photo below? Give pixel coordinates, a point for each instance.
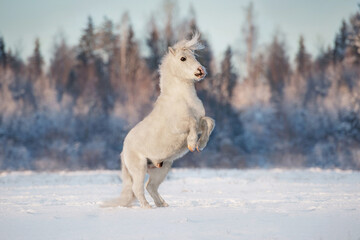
(127, 195)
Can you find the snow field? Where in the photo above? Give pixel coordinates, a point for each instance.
(204, 204)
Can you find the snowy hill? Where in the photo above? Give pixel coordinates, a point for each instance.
(204, 204)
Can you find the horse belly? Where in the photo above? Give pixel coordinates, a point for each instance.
(159, 138)
(168, 145)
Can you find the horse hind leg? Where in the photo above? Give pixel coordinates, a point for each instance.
(137, 167)
(156, 177)
(127, 195)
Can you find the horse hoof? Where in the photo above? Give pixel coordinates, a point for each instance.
(190, 148)
(159, 165)
(146, 206)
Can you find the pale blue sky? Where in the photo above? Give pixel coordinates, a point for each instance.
(21, 21)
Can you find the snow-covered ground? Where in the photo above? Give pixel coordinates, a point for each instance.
(204, 204)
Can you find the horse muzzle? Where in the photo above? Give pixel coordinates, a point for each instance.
(200, 73)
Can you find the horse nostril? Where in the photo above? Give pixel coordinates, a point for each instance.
(200, 72)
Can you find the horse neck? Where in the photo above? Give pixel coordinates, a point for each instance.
(175, 87)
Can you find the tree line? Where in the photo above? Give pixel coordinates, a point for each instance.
(74, 112)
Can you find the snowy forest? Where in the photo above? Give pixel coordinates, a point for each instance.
(74, 111)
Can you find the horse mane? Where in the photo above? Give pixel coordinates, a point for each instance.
(191, 45)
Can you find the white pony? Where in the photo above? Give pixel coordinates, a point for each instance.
(169, 131)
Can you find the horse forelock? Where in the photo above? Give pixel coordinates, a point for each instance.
(192, 45)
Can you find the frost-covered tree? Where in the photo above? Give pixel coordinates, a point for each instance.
(106, 65)
(277, 68)
(3, 58)
(341, 42)
(85, 85)
(228, 77)
(35, 61)
(354, 38)
(303, 59)
(135, 76)
(61, 65)
(87, 45)
(106, 41)
(324, 58)
(250, 33)
(154, 43)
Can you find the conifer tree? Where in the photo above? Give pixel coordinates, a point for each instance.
(353, 50)
(303, 59)
(61, 65)
(341, 41)
(36, 61)
(277, 69)
(87, 44)
(228, 77)
(153, 42)
(3, 57)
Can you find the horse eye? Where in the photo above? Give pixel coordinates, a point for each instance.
(183, 59)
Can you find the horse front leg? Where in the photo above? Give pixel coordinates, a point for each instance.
(192, 138)
(206, 125)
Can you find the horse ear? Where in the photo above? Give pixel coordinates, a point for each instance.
(172, 50)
